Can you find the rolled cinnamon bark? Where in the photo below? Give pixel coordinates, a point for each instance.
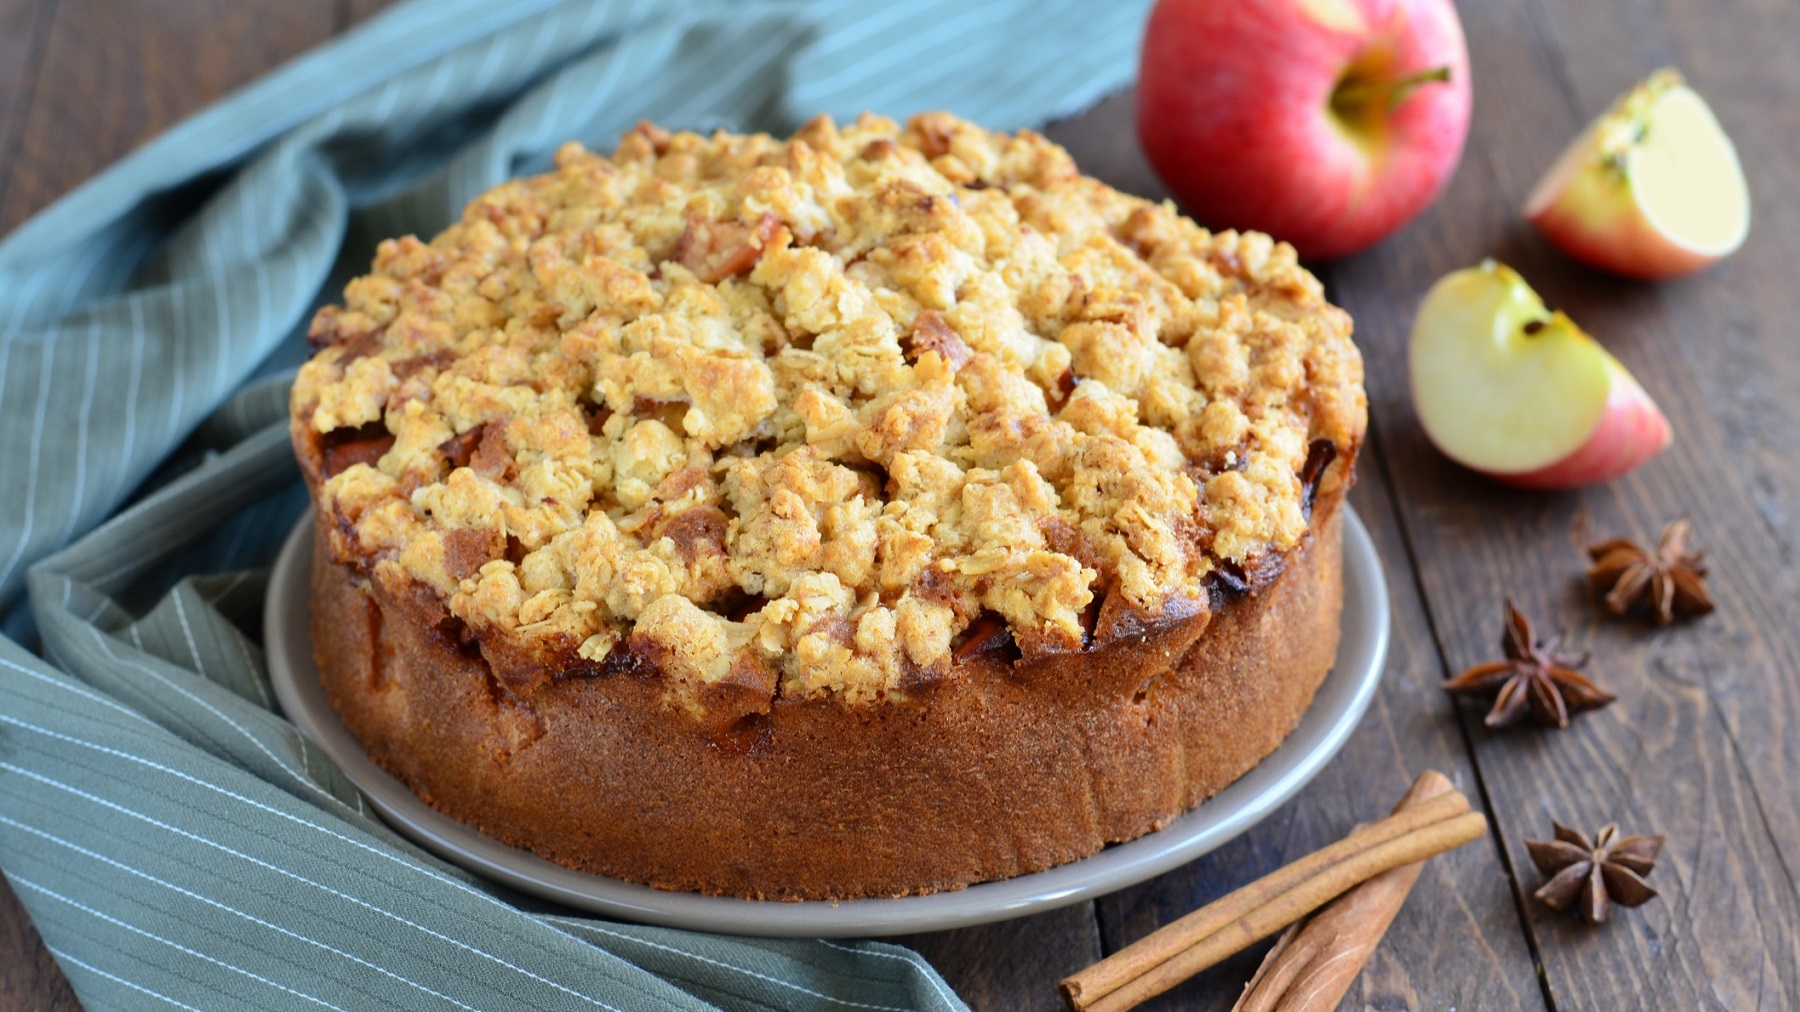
(1317, 959)
(1228, 925)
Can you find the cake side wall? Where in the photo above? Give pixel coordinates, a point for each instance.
(986, 774)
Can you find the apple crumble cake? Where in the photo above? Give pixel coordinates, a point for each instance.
(871, 512)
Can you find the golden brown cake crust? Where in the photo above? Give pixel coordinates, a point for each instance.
(803, 411)
(871, 512)
(997, 769)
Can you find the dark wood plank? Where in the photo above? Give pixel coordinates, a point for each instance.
(1722, 348)
(78, 89)
(1702, 743)
(354, 11)
(1016, 964)
(1013, 965)
(115, 73)
(23, 25)
(1457, 941)
(29, 976)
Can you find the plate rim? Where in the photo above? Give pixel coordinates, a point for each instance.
(1355, 675)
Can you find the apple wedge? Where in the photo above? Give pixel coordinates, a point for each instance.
(1507, 388)
(1652, 189)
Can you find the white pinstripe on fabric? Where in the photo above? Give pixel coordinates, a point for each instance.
(250, 664)
(790, 985)
(72, 283)
(177, 377)
(94, 616)
(259, 922)
(860, 69)
(88, 694)
(55, 656)
(810, 954)
(90, 380)
(908, 957)
(596, 13)
(135, 378)
(188, 631)
(870, 25)
(127, 568)
(258, 254)
(21, 305)
(391, 45)
(609, 79)
(751, 64)
(273, 440)
(124, 810)
(878, 87)
(221, 299)
(553, 101)
(434, 89)
(298, 776)
(1084, 61)
(279, 870)
(541, 42)
(491, 64)
(26, 883)
(237, 580)
(66, 959)
(32, 472)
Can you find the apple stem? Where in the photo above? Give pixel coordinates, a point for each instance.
(1354, 94)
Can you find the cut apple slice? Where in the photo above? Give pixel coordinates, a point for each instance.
(1512, 390)
(1651, 189)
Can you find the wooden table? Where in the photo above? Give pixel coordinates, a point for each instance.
(1704, 742)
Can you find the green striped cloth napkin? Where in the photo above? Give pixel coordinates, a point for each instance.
(176, 841)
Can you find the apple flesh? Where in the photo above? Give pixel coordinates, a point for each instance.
(1325, 123)
(1652, 189)
(1507, 388)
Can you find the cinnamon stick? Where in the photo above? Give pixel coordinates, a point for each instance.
(1317, 959)
(1228, 925)
(1134, 960)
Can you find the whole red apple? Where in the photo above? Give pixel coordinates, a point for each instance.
(1326, 123)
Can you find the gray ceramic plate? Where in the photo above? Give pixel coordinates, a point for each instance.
(1335, 711)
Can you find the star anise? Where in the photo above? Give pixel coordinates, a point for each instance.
(1600, 872)
(1671, 580)
(1534, 678)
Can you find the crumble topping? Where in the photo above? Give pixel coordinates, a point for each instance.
(816, 405)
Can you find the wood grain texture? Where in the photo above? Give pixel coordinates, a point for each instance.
(1456, 942)
(29, 976)
(114, 73)
(23, 25)
(354, 11)
(1702, 743)
(82, 82)
(1013, 964)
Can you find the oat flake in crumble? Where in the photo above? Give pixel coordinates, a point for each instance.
(818, 404)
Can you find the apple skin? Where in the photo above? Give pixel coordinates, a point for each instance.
(1483, 346)
(1235, 113)
(1632, 429)
(1602, 227)
(1586, 206)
